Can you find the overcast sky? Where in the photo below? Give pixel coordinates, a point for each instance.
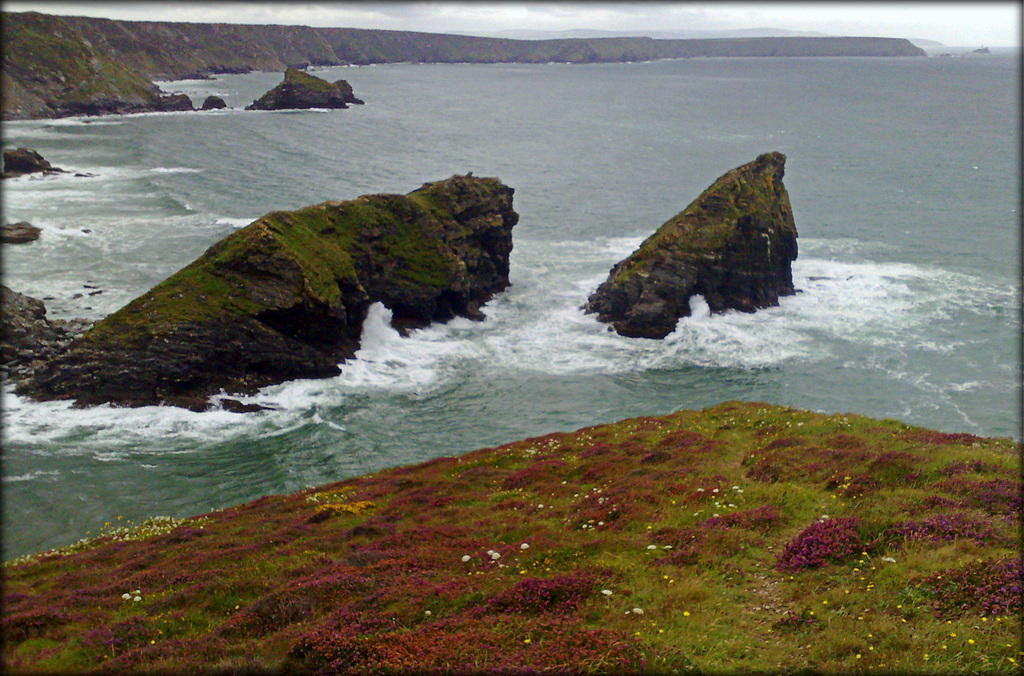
(995, 24)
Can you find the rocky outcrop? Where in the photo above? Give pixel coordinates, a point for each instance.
(213, 103)
(286, 296)
(19, 233)
(301, 91)
(733, 245)
(27, 337)
(173, 103)
(21, 161)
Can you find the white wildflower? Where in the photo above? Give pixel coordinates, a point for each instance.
(427, 612)
(465, 558)
(495, 556)
(137, 598)
(606, 592)
(524, 546)
(638, 611)
(889, 559)
(652, 546)
(126, 596)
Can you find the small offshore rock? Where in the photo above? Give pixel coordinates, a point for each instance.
(213, 103)
(174, 103)
(301, 91)
(21, 161)
(19, 233)
(235, 406)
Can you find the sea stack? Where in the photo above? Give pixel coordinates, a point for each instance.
(733, 245)
(286, 296)
(301, 90)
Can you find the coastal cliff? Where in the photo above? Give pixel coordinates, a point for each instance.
(286, 296)
(55, 66)
(733, 245)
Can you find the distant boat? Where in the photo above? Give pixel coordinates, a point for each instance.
(982, 50)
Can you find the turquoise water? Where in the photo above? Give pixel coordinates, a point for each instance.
(903, 174)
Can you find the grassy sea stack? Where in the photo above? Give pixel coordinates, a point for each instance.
(286, 296)
(301, 90)
(733, 245)
(745, 538)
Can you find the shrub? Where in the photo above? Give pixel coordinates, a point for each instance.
(990, 587)
(945, 528)
(561, 592)
(821, 542)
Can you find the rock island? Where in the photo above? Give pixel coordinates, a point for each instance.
(733, 245)
(286, 296)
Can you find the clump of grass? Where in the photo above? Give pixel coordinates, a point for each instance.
(689, 542)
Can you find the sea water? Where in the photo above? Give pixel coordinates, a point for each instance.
(903, 175)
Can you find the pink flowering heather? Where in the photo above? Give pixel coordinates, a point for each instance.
(821, 543)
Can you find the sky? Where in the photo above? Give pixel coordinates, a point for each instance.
(991, 24)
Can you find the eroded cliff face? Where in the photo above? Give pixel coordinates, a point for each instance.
(733, 245)
(286, 296)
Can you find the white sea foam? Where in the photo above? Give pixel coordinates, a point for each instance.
(176, 170)
(99, 121)
(31, 476)
(148, 429)
(235, 223)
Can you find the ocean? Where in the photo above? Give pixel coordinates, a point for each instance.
(903, 176)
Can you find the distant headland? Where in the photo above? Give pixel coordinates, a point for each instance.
(57, 66)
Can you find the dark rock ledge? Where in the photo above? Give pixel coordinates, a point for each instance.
(21, 161)
(286, 296)
(27, 337)
(733, 245)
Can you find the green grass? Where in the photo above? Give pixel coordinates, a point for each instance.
(690, 521)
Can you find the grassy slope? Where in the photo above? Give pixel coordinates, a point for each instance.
(696, 540)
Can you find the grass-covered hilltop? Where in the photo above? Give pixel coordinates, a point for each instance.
(745, 537)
